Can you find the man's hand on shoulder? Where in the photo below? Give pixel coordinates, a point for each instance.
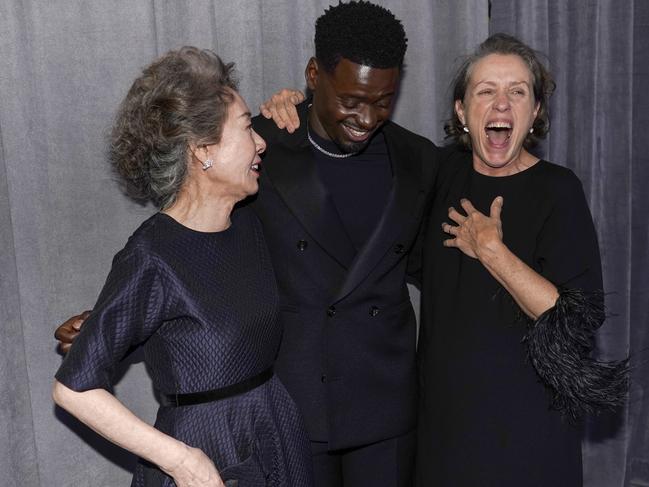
(69, 330)
(281, 109)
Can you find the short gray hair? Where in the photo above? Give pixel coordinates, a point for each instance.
(181, 98)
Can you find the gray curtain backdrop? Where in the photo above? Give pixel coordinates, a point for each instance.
(64, 67)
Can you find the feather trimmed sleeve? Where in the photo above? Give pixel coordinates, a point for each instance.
(560, 345)
(560, 342)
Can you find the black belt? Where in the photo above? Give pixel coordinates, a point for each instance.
(173, 400)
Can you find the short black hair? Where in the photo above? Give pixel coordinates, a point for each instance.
(361, 32)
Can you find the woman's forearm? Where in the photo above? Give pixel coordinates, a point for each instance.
(531, 291)
(106, 415)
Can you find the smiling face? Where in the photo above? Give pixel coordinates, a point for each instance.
(350, 104)
(236, 156)
(499, 109)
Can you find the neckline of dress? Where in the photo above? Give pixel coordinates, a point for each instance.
(179, 225)
(509, 177)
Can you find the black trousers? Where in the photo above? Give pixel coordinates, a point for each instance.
(388, 463)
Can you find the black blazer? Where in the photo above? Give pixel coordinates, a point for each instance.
(347, 355)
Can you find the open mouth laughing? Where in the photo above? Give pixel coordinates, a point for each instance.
(498, 132)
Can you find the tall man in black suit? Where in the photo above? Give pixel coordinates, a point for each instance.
(341, 201)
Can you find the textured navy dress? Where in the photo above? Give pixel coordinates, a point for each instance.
(204, 306)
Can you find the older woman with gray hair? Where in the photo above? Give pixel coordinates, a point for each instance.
(183, 286)
(512, 292)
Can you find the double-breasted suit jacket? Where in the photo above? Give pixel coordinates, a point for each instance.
(347, 354)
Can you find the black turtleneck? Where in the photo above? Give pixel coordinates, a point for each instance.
(359, 185)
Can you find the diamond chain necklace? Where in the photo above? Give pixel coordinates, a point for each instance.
(324, 151)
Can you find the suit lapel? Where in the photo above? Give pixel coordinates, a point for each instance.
(293, 173)
(399, 214)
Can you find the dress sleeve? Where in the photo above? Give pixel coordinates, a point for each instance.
(560, 342)
(567, 252)
(129, 310)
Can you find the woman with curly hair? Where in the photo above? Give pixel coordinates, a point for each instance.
(184, 287)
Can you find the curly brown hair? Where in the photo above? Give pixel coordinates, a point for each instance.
(180, 99)
(542, 86)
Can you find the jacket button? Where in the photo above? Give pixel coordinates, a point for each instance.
(331, 311)
(302, 245)
(374, 310)
(323, 378)
(398, 249)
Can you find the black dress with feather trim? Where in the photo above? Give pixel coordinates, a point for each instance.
(497, 408)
